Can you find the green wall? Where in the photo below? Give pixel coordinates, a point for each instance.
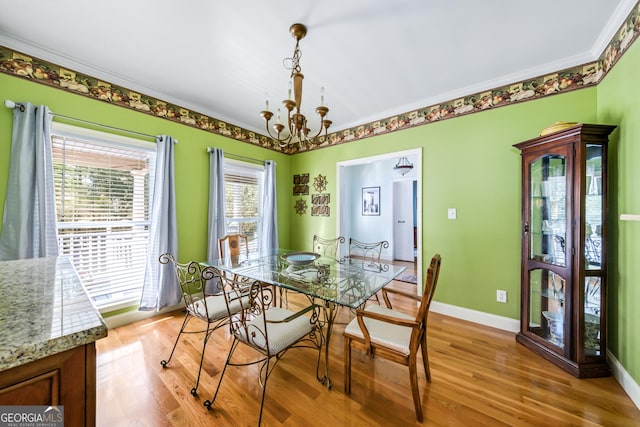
(191, 158)
(469, 164)
(619, 104)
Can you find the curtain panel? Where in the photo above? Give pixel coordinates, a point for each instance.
(29, 219)
(161, 287)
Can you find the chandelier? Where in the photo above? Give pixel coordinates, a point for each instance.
(403, 166)
(297, 131)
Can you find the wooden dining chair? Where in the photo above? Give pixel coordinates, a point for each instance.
(327, 247)
(266, 330)
(199, 304)
(384, 332)
(233, 246)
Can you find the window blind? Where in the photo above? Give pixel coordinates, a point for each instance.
(242, 207)
(102, 201)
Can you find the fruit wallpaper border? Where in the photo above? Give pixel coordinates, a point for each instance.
(22, 65)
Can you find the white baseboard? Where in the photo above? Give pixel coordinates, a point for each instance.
(628, 384)
(135, 315)
(487, 319)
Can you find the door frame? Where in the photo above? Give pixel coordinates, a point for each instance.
(341, 197)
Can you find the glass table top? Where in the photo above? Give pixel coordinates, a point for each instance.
(348, 282)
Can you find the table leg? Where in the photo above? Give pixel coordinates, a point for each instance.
(330, 311)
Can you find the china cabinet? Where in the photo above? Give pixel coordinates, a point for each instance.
(564, 236)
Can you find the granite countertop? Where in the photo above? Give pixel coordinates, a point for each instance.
(44, 310)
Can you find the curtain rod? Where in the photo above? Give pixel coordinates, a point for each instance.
(238, 157)
(10, 104)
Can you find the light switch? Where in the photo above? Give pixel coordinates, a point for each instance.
(452, 213)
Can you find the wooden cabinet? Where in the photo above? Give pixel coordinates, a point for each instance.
(67, 379)
(564, 235)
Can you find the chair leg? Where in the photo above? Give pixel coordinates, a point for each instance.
(413, 376)
(207, 335)
(264, 390)
(425, 357)
(187, 317)
(347, 365)
(208, 403)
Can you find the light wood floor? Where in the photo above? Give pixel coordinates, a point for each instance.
(480, 376)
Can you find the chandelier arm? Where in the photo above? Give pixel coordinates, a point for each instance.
(282, 142)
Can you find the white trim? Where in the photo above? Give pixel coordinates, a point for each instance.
(628, 384)
(486, 319)
(118, 320)
(75, 131)
(629, 217)
(614, 24)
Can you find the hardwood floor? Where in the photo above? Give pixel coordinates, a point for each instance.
(480, 376)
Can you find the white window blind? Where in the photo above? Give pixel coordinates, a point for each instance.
(243, 184)
(103, 201)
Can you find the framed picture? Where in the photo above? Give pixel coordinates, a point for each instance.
(371, 201)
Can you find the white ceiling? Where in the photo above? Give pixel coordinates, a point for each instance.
(375, 58)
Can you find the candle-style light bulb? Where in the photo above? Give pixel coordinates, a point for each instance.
(322, 96)
(290, 85)
(266, 101)
(278, 117)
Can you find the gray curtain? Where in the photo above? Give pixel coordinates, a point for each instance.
(217, 218)
(29, 219)
(268, 237)
(160, 287)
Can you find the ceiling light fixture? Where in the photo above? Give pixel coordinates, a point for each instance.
(403, 166)
(297, 129)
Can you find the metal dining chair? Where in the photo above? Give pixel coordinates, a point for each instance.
(268, 330)
(327, 247)
(199, 304)
(369, 254)
(381, 331)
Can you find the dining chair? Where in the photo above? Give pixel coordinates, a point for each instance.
(369, 254)
(327, 247)
(233, 246)
(199, 304)
(267, 330)
(384, 332)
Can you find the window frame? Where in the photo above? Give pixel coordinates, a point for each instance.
(64, 130)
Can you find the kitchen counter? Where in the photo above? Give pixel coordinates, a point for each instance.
(48, 329)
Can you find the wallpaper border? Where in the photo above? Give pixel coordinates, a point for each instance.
(22, 65)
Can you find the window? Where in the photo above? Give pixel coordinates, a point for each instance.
(103, 187)
(243, 191)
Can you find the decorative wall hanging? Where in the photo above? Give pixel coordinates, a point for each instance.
(301, 206)
(371, 201)
(301, 184)
(320, 205)
(320, 202)
(320, 183)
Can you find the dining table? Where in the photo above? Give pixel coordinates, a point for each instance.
(326, 281)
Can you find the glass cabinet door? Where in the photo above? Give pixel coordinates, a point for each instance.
(547, 306)
(548, 210)
(593, 208)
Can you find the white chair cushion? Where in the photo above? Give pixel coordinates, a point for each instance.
(281, 335)
(216, 307)
(388, 335)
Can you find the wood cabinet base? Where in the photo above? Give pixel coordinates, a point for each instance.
(67, 379)
(582, 370)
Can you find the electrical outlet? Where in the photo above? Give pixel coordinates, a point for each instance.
(452, 213)
(501, 296)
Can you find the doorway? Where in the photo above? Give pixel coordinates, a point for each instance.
(357, 175)
(405, 232)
